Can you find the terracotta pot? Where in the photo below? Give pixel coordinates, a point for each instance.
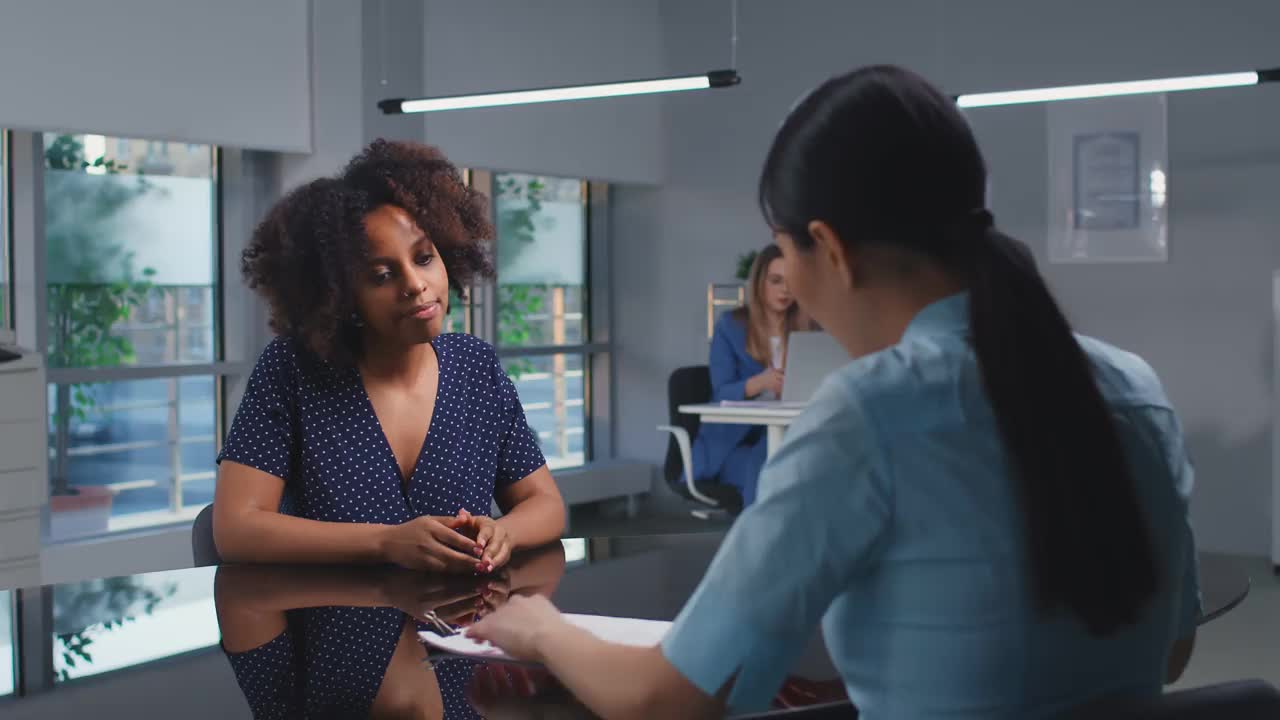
(84, 512)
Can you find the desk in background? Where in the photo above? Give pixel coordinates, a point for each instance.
(774, 416)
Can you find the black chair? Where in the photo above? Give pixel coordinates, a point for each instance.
(1239, 700)
(690, 386)
(203, 550)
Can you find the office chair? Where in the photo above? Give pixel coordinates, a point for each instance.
(1237, 700)
(203, 550)
(690, 386)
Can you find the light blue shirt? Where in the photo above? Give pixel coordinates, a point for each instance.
(888, 514)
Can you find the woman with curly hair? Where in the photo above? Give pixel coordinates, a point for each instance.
(366, 434)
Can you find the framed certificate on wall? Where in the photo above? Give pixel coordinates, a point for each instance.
(1107, 185)
(1108, 180)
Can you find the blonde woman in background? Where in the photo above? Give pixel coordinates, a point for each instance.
(748, 357)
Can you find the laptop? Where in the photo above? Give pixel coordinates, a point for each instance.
(811, 357)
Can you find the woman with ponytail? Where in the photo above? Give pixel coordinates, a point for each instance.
(987, 513)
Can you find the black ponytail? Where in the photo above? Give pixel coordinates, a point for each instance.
(884, 158)
(1089, 543)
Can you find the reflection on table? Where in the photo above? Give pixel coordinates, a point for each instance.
(343, 641)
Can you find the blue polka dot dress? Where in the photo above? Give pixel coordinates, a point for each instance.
(313, 426)
(330, 663)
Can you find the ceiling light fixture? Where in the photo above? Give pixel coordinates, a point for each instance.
(1135, 87)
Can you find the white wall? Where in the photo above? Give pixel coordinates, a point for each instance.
(393, 65)
(511, 44)
(232, 72)
(1202, 319)
(337, 100)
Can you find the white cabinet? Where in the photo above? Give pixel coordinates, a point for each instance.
(24, 468)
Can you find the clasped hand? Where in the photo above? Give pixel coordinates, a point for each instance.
(455, 600)
(460, 544)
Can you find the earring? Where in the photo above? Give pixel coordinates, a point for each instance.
(355, 320)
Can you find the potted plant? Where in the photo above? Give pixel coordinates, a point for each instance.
(83, 308)
(745, 261)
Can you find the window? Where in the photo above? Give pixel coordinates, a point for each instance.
(7, 650)
(131, 330)
(541, 295)
(553, 392)
(575, 550)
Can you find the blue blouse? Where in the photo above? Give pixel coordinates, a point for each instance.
(731, 367)
(888, 515)
(313, 426)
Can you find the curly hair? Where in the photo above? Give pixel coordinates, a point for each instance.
(302, 254)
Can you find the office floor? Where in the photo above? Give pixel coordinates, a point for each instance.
(1244, 643)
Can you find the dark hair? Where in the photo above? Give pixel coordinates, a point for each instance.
(887, 161)
(303, 252)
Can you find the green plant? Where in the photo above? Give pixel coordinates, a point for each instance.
(518, 223)
(119, 598)
(515, 303)
(517, 220)
(83, 309)
(745, 261)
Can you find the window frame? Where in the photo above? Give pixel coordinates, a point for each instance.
(597, 349)
(7, 315)
(26, 187)
(9, 606)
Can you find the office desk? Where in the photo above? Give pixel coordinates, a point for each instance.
(775, 418)
(341, 628)
(350, 618)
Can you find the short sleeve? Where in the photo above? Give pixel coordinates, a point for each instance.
(1160, 464)
(823, 510)
(263, 433)
(519, 453)
(1189, 601)
(268, 677)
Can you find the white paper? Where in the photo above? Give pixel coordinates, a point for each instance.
(624, 631)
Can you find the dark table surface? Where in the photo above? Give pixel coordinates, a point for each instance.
(352, 635)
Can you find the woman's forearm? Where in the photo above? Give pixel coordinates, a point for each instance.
(263, 536)
(616, 681)
(536, 521)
